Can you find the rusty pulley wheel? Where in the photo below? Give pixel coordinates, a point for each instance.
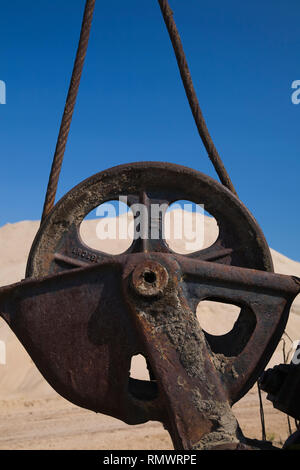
(58, 245)
(82, 315)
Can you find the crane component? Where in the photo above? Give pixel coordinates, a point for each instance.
(83, 314)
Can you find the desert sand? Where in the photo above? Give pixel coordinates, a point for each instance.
(34, 416)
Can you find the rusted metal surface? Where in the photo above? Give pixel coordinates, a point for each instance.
(282, 384)
(82, 314)
(82, 327)
(240, 242)
(293, 442)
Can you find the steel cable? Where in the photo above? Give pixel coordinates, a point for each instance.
(192, 97)
(73, 91)
(69, 108)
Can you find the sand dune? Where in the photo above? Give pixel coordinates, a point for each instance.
(34, 416)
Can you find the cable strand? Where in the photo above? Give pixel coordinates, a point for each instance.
(69, 109)
(192, 97)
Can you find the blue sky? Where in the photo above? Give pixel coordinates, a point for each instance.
(243, 57)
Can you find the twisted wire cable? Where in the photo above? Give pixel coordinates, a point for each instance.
(192, 97)
(69, 108)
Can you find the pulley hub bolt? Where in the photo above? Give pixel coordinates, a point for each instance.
(150, 279)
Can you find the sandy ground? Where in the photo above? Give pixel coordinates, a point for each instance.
(33, 416)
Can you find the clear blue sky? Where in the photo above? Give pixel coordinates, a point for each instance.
(243, 57)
